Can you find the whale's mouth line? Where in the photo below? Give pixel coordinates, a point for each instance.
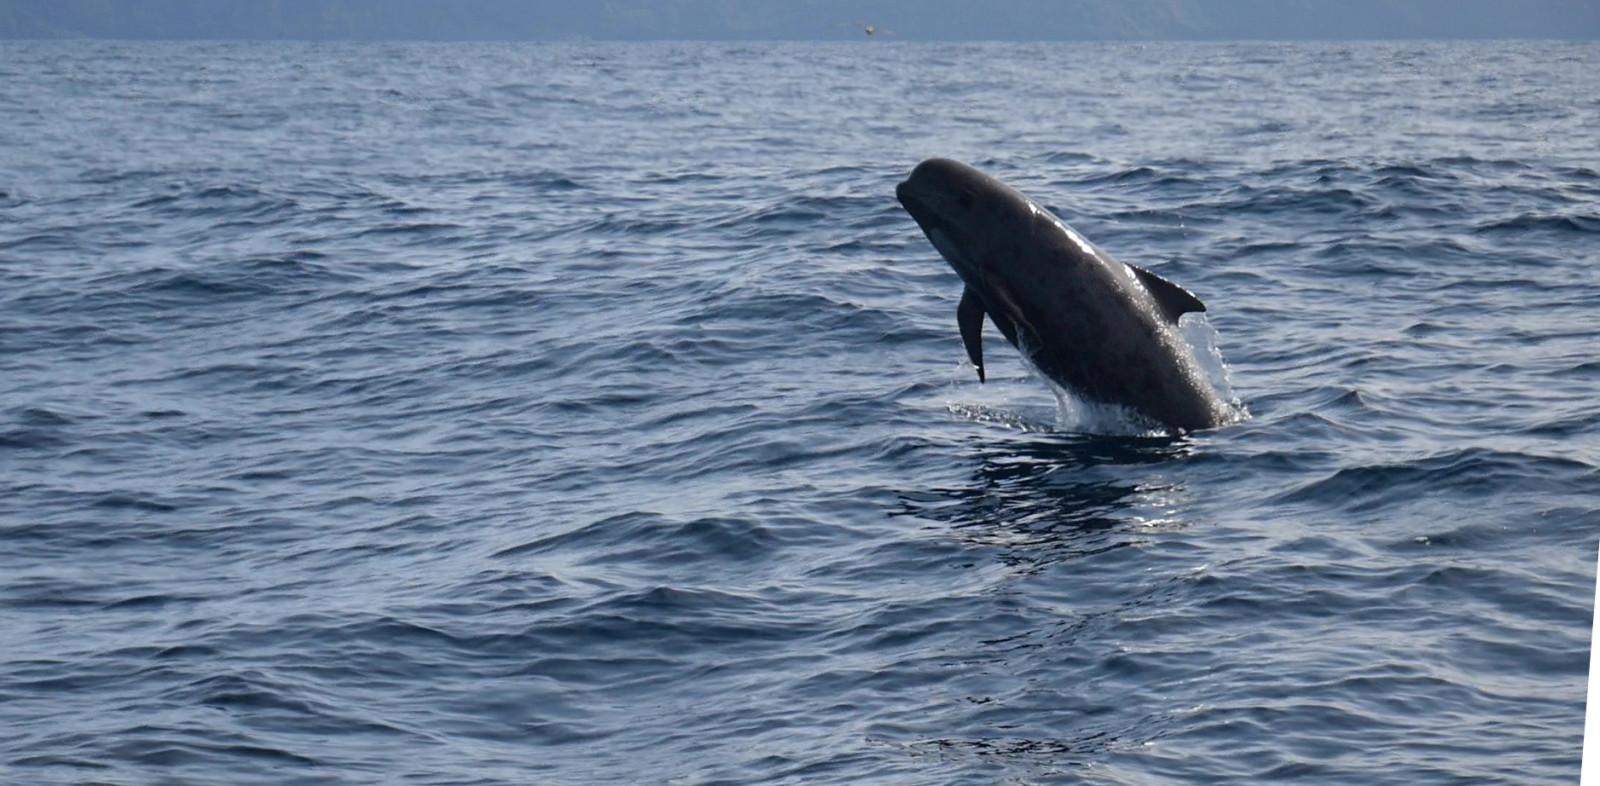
(913, 204)
(947, 248)
(940, 232)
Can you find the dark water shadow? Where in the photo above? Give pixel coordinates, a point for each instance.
(1042, 498)
(1037, 501)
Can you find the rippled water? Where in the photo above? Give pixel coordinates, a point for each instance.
(470, 414)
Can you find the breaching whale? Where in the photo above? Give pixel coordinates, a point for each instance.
(1103, 329)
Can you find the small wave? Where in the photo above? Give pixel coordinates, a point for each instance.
(1476, 471)
(31, 439)
(632, 224)
(418, 232)
(1470, 163)
(1137, 173)
(1144, 178)
(40, 242)
(164, 288)
(626, 537)
(1069, 157)
(1407, 173)
(1588, 368)
(680, 178)
(1535, 222)
(151, 602)
(542, 181)
(1294, 201)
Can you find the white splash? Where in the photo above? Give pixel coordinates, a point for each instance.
(1201, 337)
(994, 415)
(1079, 415)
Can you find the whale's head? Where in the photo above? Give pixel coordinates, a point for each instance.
(963, 212)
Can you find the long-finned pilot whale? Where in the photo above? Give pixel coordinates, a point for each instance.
(1101, 328)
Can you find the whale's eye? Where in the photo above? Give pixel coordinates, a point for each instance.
(965, 200)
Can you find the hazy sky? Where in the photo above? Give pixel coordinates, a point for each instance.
(800, 19)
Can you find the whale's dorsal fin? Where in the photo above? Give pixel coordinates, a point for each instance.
(1174, 301)
(969, 315)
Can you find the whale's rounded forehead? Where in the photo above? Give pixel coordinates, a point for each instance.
(951, 189)
(946, 170)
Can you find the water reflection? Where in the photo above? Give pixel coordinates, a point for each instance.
(1037, 500)
(1042, 498)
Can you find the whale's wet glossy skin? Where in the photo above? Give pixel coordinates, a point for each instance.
(1101, 328)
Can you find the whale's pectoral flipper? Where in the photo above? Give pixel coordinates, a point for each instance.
(969, 315)
(1175, 301)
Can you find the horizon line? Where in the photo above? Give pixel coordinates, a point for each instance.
(863, 40)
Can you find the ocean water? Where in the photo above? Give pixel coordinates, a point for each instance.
(592, 413)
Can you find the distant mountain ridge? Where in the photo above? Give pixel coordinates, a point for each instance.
(799, 19)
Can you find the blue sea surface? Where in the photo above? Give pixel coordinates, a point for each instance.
(592, 413)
